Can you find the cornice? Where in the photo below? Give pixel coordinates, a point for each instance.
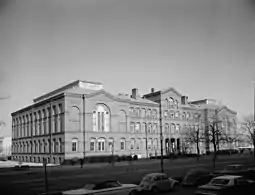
(54, 98)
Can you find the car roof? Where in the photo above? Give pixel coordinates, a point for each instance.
(155, 174)
(235, 165)
(228, 177)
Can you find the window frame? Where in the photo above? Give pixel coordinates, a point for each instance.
(74, 144)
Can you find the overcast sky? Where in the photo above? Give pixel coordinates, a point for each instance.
(202, 48)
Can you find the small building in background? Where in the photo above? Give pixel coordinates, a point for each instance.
(5, 146)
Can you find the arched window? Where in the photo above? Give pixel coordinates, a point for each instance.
(131, 111)
(101, 144)
(101, 118)
(92, 146)
(35, 147)
(122, 121)
(75, 118)
(137, 112)
(44, 119)
(61, 145)
(171, 102)
(132, 143)
(53, 118)
(123, 144)
(39, 123)
(60, 118)
(74, 145)
(44, 146)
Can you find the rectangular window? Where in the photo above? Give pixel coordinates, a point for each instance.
(171, 115)
(137, 127)
(94, 121)
(138, 144)
(132, 144)
(132, 127)
(143, 114)
(122, 145)
(101, 145)
(102, 121)
(98, 121)
(74, 146)
(149, 143)
(92, 146)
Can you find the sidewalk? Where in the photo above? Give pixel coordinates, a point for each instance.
(149, 161)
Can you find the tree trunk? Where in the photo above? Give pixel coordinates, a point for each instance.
(254, 150)
(215, 150)
(198, 151)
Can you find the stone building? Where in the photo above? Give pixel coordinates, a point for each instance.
(82, 119)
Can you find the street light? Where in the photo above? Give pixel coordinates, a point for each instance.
(161, 138)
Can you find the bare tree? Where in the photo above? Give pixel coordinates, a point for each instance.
(195, 137)
(216, 135)
(248, 127)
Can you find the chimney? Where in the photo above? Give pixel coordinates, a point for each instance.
(184, 100)
(134, 93)
(152, 90)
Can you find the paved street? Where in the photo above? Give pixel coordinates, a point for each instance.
(63, 178)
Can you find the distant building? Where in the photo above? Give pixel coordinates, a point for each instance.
(5, 146)
(82, 119)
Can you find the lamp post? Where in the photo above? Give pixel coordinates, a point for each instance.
(84, 127)
(197, 136)
(161, 138)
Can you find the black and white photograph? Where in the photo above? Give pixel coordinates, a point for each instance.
(127, 97)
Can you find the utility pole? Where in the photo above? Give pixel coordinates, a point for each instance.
(84, 127)
(254, 101)
(50, 129)
(45, 176)
(161, 138)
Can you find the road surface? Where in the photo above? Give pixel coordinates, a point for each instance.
(63, 178)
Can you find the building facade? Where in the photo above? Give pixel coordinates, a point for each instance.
(82, 119)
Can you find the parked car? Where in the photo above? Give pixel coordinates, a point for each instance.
(154, 183)
(102, 188)
(234, 169)
(196, 177)
(227, 185)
